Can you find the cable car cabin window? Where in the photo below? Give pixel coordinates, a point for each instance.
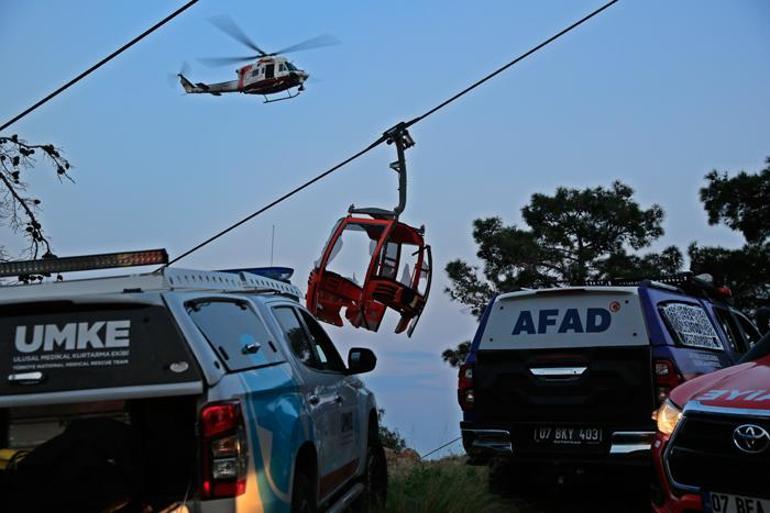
(329, 357)
(351, 254)
(389, 261)
(235, 332)
(299, 342)
(399, 262)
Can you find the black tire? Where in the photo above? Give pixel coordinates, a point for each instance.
(303, 494)
(506, 478)
(375, 478)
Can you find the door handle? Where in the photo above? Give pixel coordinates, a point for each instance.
(251, 348)
(313, 399)
(26, 378)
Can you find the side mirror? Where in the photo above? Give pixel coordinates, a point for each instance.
(361, 360)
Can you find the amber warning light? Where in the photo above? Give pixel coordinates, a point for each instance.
(84, 263)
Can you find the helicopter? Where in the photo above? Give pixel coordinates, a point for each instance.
(269, 72)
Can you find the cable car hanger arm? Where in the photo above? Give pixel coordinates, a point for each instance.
(398, 135)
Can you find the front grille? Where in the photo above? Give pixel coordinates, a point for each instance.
(703, 455)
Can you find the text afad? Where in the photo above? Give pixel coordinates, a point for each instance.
(73, 336)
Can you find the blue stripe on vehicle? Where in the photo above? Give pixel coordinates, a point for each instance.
(480, 331)
(655, 331)
(275, 407)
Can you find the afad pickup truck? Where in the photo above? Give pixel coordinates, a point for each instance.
(712, 450)
(568, 378)
(178, 391)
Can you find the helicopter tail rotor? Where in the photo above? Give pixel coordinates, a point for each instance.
(172, 78)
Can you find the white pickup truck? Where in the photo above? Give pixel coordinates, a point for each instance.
(178, 390)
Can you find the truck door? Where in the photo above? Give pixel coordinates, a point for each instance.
(331, 407)
(349, 433)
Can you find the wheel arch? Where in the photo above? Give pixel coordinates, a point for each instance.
(306, 461)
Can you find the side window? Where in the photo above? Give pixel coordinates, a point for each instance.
(690, 325)
(255, 72)
(298, 340)
(750, 332)
(235, 332)
(329, 357)
(730, 327)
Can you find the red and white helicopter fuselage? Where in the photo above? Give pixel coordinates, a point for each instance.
(267, 75)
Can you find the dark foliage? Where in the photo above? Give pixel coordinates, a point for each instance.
(17, 210)
(741, 202)
(573, 236)
(390, 438)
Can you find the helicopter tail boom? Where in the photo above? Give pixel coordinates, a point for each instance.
(215, 89)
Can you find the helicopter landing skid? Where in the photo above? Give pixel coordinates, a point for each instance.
(289, 97)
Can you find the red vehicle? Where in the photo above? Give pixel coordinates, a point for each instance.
(712, 449)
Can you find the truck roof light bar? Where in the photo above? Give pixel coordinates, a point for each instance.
(84, 262)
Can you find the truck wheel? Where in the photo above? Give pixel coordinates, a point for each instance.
(375, 479)
(505, 478)
(303, 495)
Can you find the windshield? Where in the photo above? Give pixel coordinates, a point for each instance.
(290, 67)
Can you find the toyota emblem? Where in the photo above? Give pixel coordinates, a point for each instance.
(751, 438)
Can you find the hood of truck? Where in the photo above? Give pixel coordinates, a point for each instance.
(744, 386)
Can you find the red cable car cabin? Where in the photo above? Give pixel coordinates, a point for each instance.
(389, 282)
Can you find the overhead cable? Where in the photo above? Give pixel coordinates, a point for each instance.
(437, 449)
(400, 126)
(101, 63)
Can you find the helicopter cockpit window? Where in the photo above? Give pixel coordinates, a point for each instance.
(290, 67)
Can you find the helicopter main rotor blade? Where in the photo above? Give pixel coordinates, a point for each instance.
(315, 42)
(214, 62)
(228, 26)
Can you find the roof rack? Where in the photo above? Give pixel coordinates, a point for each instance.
(687, 282)
(166, 279)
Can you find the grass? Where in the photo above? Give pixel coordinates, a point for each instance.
(451, 486)
(445, 486)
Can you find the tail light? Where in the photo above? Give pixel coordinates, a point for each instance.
(667, 377)
(465, 393)
(224, 451)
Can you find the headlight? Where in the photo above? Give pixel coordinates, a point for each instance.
(668, 416)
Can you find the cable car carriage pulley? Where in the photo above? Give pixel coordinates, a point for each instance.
(399, 272)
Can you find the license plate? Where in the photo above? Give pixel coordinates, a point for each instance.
(568, 436)
(727, 503)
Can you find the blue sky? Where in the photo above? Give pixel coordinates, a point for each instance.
(654, 93)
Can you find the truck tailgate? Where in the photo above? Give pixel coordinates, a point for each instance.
(561, 359)
(61, 348)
